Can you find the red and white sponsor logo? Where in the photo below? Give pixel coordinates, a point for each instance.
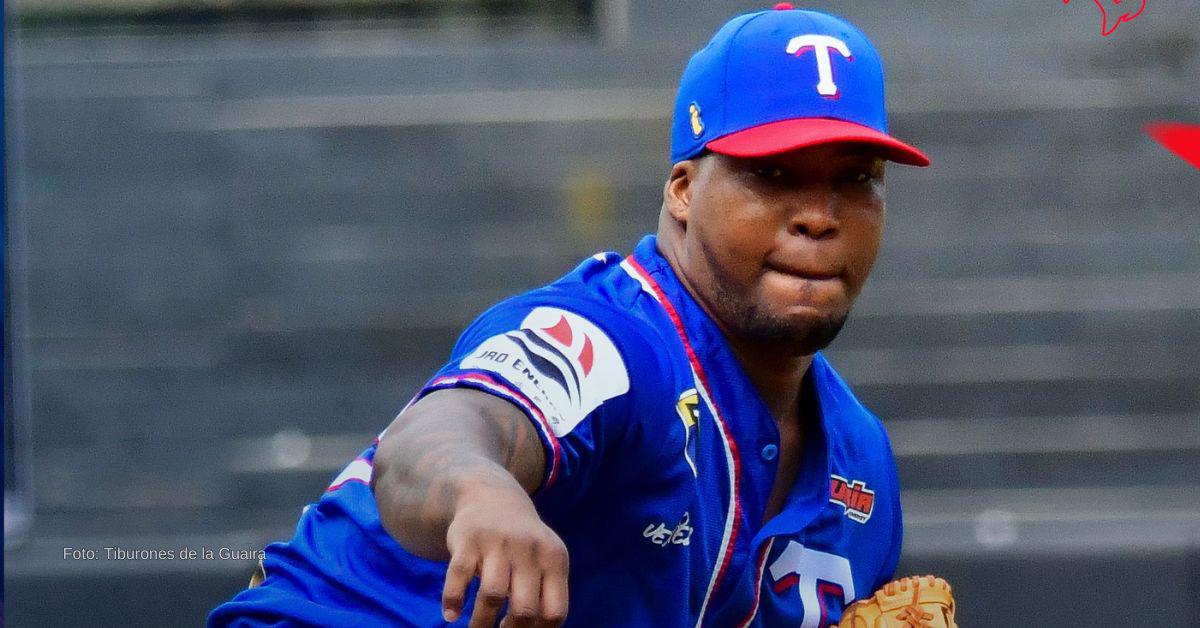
(853, 496)
(565, 335)
(563, 363)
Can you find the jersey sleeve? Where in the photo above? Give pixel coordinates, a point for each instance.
(561, 364)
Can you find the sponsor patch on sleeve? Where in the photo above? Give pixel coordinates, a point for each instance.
(561, 361)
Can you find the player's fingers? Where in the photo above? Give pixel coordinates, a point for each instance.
(554, 586)
(524, 602)
(494, 576)
(463, 565)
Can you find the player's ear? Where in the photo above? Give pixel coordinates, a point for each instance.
(677, 192)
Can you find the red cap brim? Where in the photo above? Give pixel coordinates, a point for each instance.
(788, 135)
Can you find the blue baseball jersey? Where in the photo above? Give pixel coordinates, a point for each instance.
(660, 459)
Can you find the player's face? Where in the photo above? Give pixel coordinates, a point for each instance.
(778, 248)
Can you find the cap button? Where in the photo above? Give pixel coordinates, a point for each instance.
(784, 6)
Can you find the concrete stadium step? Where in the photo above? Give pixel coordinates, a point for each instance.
(883, 330)
(100, 405)
(997, 471)
(1031, 398)
(1028, 446)
(941, 454)
(950, 41)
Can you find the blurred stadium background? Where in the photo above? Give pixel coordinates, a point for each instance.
(242, 233)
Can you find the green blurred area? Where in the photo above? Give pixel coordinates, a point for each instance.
(553, 13)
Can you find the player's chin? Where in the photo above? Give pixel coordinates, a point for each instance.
(807, 325)
(805, 333)
(805, 320)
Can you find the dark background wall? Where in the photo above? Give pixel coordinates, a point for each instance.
(242, 245)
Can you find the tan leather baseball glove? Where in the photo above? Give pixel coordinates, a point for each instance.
(913, 602)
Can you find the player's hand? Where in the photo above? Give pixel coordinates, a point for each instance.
(498, 536)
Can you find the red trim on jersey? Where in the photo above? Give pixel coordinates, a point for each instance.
(762, 564)
(826, 590)
(783, 583)
(699, 369)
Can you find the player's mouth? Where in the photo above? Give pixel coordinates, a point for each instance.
(807, 286)
(810, 273)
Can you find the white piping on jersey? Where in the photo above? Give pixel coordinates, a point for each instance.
(730, 462)
(729, 517)
(359, 470)
(632, 272)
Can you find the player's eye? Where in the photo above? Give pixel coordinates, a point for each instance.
(768, 171)
(865, 175)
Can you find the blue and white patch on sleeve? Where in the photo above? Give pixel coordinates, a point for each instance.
(561, 361)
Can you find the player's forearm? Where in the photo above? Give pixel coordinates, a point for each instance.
(419, 493)
(452, 449)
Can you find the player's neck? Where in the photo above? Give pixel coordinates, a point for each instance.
(778, 377)
(777, 374)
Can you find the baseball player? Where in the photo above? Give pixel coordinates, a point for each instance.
(653, 439)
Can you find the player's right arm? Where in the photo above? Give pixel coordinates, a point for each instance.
(453, 477)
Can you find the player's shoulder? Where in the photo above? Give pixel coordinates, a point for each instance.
(863, 477)
(578, 344)
(596, 314)
(849, 423)
(598, 297)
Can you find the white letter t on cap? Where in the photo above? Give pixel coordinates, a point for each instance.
(821, 45)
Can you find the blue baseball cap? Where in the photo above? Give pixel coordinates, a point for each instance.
(778, 80)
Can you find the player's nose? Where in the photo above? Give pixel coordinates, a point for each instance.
(811, 214)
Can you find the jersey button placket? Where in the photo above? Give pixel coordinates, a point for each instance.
(770, 452)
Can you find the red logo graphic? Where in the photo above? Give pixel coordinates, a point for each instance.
(562, 332)
(854, 496)
(1179, 138)
(1106, 26)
